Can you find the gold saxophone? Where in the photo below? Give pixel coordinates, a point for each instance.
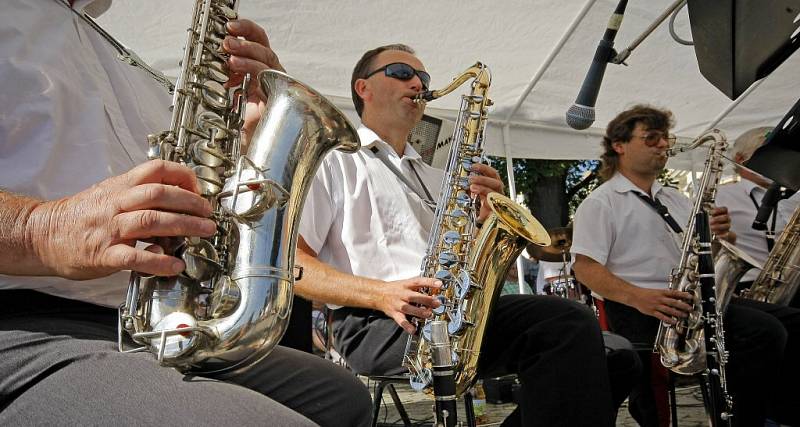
(231, 305)
(471, 260)
(778, 281)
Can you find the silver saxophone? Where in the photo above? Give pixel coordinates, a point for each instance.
(778, 282)
(231, 305)
(697, 344)
(471, 260)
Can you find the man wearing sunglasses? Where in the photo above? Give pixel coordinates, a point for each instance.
(626, 241)
(364, 231)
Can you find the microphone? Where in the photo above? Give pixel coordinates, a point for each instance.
(581, 114)
(768, 203)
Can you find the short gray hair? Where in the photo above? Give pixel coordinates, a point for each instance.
(747, 143)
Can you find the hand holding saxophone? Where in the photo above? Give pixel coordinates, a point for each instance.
(484, 180)
(250, 53)
(404, 297)
(666, 305)
(720, 223)
(248, 45)
(93, 233)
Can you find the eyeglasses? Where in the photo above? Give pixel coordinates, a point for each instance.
(401, 71)
(652, 139)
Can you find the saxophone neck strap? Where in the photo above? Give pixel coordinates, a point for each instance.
(661, 210)
(426, 197)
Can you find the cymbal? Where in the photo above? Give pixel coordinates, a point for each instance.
(558, 250)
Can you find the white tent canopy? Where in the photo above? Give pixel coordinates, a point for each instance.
(320, 41)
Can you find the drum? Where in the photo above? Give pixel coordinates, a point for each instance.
(565, 286)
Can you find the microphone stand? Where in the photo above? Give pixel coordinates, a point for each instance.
(625, 53)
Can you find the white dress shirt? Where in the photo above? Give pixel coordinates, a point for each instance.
(742, 210)
(616, 228)
(71, 115)
(361, 219)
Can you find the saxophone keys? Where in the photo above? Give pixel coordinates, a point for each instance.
(451, 237)
(463, 285)
(458, 323)
(426, 331)
(207, 153)
(224, 298)
(201, 259)
(462, 199)
(209, 180)
(444, 275)
(458, 218)
(172, 336)
(444, 303)
(447, 259)
(419, 381)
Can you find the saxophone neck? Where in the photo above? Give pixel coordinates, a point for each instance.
(479, 72)
(715, 135)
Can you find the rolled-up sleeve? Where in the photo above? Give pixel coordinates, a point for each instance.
(593, 230)
(320, 208)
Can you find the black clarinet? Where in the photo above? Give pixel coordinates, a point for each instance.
(444, 380)
(719, 404)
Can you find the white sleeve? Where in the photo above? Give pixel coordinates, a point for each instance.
(787, 207)
(320, 207)
(593, 230)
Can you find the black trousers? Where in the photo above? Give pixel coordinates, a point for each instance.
(59, 365)
(762, 340)
(552, 344)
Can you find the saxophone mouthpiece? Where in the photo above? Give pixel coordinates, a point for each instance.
(425, 96)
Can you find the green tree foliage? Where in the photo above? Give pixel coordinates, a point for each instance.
(553, 189)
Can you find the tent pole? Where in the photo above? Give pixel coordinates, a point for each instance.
(506, 133)
(733, 105)
(512, 191)
(550, 57)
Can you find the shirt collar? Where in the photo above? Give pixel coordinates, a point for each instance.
(621, 184)
(369, 139)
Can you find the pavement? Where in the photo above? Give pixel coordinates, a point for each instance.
(420, 409)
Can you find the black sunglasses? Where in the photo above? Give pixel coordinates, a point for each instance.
(401, 71)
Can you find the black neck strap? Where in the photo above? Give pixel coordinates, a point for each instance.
(661, 210)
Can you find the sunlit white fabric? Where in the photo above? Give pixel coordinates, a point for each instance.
(71, 115)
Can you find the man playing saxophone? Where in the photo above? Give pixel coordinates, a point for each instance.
(363, 234)
(77, 193)
(743, 200)
(745, 197)
(626, 241)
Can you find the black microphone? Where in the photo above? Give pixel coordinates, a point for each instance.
(581, 114)
(768, 203)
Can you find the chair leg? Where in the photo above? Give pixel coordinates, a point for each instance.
(673, 401)
(707, 403)
(377, 400)
(399, 405)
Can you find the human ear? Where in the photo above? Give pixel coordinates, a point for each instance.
(362, 89)
(618, 147)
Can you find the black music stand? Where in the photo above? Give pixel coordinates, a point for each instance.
(740, 41)
(779, 157)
